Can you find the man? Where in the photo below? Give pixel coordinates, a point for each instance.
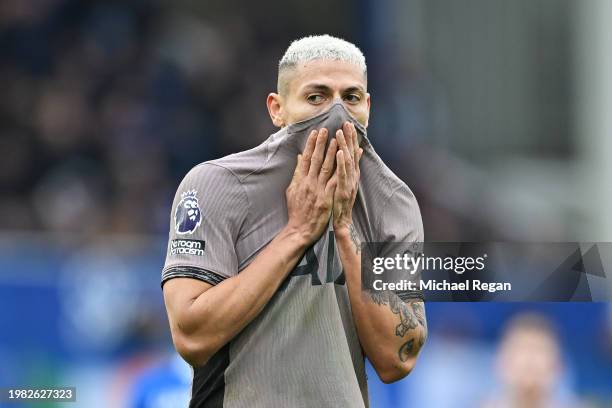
(262, 281)
(530, 366)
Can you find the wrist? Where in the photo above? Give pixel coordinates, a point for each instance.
(294, 235)
(342, 231)
(348, 235)
(344, 228)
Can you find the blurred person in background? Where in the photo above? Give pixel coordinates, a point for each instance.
(529, 366)
(262, 282)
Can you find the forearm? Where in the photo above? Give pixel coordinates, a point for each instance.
(222, 311)
(391, 332)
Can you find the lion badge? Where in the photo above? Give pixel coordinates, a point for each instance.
(187, 216)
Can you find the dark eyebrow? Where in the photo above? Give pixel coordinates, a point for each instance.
(326, 89)
(317, 87)
(352, 89)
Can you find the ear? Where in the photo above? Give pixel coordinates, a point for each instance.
(368, 102)
(275, 109)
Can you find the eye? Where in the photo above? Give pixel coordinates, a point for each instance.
(352, 98)
(315, 99)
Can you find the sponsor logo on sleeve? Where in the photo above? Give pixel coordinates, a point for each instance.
(187, 247)
(187, 216)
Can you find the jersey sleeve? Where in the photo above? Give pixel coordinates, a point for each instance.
(209, 207)
(401, 231)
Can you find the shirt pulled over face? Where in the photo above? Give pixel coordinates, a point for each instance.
(332, 119)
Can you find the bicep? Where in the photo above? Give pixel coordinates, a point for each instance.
(179, 295)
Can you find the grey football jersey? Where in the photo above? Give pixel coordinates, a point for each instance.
(302, 350)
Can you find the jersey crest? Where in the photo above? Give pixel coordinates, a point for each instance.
(187, 217)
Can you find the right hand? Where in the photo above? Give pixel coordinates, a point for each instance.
(311, 191)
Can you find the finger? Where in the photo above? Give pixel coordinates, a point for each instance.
(330, 187)
(357, 149)
(346, 129)
(347, 156)
(342, 143)
(308, 151)
(341, 170)
(327, 169)
(357, 170)
(317, 156)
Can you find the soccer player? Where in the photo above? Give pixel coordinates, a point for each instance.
(530, 367)
(262, 280)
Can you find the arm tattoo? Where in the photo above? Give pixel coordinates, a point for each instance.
(405, 350)
(412, 315)
(355, 238)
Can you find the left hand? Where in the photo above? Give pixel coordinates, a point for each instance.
(347, 177)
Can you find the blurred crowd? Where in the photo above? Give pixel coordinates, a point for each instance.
(106, 105)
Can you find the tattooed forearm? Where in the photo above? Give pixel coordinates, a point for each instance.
(405, 350)
(412, 315)
(355, 238)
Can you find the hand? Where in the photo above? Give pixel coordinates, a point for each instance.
(311, 191)
(346, 177)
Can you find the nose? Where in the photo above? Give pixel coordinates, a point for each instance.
(337, 99)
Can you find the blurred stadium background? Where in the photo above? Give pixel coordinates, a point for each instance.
(496, 114)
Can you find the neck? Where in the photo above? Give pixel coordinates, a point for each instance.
(529, 399)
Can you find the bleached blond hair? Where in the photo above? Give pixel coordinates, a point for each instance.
(317, 47)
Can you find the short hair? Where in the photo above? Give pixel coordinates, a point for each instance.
(317, 47)
(534, 322)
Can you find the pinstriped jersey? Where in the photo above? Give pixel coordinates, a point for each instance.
(302, 350)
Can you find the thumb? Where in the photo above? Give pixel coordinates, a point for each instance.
(330, 187)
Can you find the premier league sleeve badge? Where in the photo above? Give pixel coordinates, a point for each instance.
(187, 216)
